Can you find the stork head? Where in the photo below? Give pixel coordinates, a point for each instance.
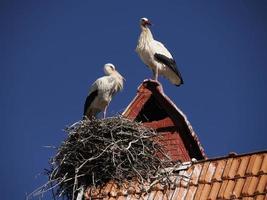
(109, 68)
(144, 22)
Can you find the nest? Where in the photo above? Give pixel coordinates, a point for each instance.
(99, 150)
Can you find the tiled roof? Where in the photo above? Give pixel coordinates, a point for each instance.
(231, 177)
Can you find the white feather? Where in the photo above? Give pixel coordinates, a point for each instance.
(158, 47)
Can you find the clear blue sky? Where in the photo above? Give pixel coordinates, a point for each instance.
(51, 52)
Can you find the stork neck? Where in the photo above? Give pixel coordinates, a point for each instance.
(146, 35)
(119, 80)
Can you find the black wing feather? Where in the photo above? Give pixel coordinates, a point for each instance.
(90, 98)
(169, 62)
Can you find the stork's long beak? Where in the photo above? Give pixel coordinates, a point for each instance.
(148, 23)
(120, 75)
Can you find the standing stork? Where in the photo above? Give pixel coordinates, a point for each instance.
(155, 55)
(102, 91)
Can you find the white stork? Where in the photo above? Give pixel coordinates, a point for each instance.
(102, 91)
(155, 55)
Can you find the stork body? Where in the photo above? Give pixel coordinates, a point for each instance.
(102, 91)
(156, 56)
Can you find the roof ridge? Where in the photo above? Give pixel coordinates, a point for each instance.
(231, 155)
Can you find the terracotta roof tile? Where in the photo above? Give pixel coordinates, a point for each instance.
(136, 187)
(167, 194)
(246, 189)
(151, 195)
(199, 191)
(238, 187)
(220, 164)
(195, 174)
(229, 189)
(248, 198)
(191, 192)
(263, 169)
(214, 190)
(94, 191)
(253, 185)
(144, 196)
(123, 190)
(203, 172)
(114, 190)
(261, 187)
(205, 192)
(238, 177)
(250, 165)
(222, 189)
(181, 193)
(110, 198)
(242, 167)
(257, 164)
(227, 168)
(175, 193)
(106, 189)
(121, 198)
(261, 197)
(132, 197)
(158, 186)
(158, 195)
(234, 167)
(210, 172)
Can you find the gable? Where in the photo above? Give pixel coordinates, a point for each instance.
(154, 109)
(151, 111)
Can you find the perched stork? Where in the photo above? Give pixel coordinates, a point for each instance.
(155, 55)
(102, 91)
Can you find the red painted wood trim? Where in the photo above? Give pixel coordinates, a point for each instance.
(167, 122)
(137, 105)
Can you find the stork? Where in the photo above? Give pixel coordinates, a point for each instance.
(102, 91)
(155, 55)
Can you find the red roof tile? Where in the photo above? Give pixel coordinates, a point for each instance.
(215, 187)
(238, 177)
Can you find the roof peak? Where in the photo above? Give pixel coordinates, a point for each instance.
(155, 109)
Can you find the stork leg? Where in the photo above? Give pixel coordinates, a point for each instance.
(155, 73)
(105, 111)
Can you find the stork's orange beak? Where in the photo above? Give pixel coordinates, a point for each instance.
(148, 23)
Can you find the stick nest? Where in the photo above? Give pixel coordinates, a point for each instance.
(99, 150)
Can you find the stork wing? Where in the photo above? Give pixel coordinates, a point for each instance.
(169, 62)
(162, 55)
(90, 98)
(158, 47)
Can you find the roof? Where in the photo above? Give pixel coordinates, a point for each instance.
(231, 177)
(160, 110)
